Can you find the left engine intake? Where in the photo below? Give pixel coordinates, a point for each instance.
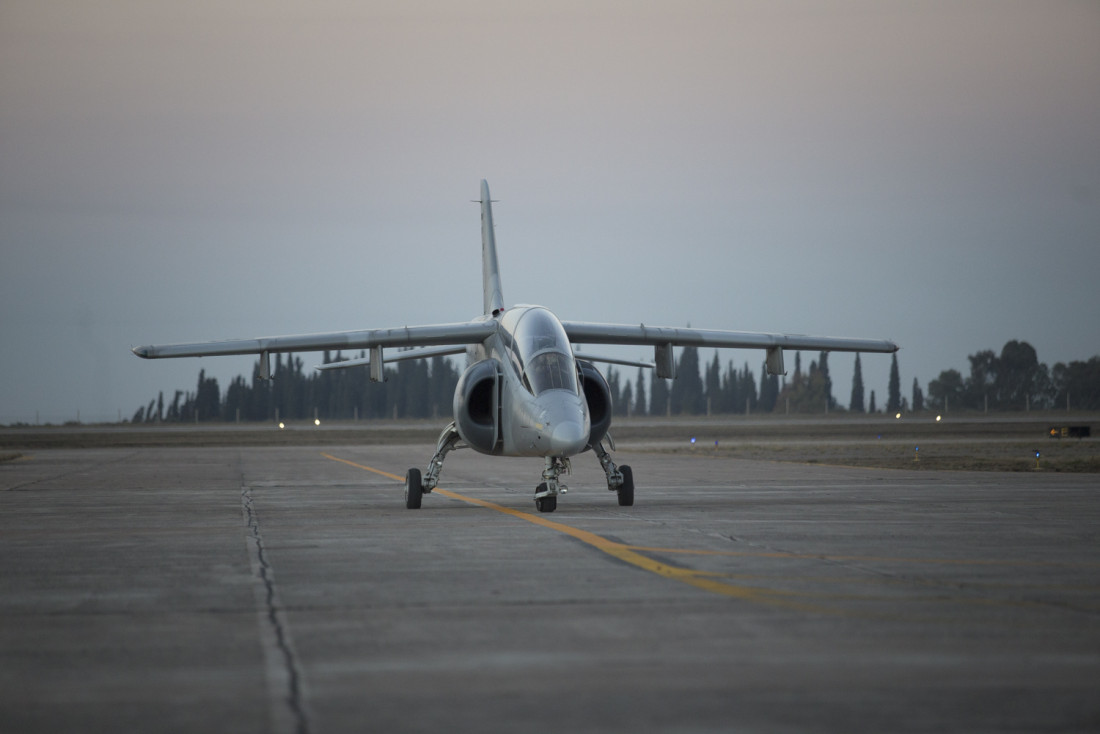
(476, 406)
(597, 394)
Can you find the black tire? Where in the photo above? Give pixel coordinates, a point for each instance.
(626, 492)
(545, 504)
(414, 490)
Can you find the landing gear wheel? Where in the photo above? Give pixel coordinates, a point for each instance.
(626, 491)
(545, 504)
(414, 489)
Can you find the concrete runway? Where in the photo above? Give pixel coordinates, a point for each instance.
(287, 589)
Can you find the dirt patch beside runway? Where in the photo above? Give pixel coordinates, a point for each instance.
(939, 455)
(968, 443)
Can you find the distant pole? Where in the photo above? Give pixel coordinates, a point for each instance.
(944, 403)
(356, 413)
(238, 415)
(746, 406)
(985, 399)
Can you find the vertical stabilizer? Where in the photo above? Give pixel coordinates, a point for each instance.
(490, 271)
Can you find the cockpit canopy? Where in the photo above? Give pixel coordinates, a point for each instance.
(538, 349)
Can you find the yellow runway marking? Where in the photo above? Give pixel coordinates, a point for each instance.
(363, 466)
(718, 582)
(874, 559)
(700, 579)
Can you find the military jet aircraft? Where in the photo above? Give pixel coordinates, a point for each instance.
(525, 390)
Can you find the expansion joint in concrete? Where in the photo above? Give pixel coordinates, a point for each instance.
(285, 681)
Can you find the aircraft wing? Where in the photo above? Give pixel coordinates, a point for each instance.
(663, 338)
(398, 356)
(612, 360)
(471, 332)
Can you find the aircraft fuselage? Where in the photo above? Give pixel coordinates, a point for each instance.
(541, 409)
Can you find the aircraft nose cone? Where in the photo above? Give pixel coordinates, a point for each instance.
(568, 438)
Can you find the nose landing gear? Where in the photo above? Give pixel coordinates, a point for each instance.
(546, 494)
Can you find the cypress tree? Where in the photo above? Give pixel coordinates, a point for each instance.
(659, 397)
(729, 391)
(207, 398)
(612, 378)
(823, 369)
(174, 408)
(687, 388)
(769, 390)
(893, 394)
(855, 404)
(746, 392)
(713, 386)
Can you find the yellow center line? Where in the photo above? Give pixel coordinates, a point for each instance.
(875, 559)
(700, 579)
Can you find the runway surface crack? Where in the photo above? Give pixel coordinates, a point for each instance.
(289, 711)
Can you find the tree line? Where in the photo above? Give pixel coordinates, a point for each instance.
(413, 389)
(1016, 380)
(1012, 380)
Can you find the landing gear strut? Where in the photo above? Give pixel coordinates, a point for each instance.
(620, 479)
(414, 487)
(546, 494)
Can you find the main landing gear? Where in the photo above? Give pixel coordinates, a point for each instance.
(415, 487)
(620, 479)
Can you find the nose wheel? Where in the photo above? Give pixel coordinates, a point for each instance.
(546, 494)
(544, 501)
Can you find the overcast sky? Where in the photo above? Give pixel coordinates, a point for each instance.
(927, 172)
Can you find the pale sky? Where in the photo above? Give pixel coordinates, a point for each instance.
(927, 172)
